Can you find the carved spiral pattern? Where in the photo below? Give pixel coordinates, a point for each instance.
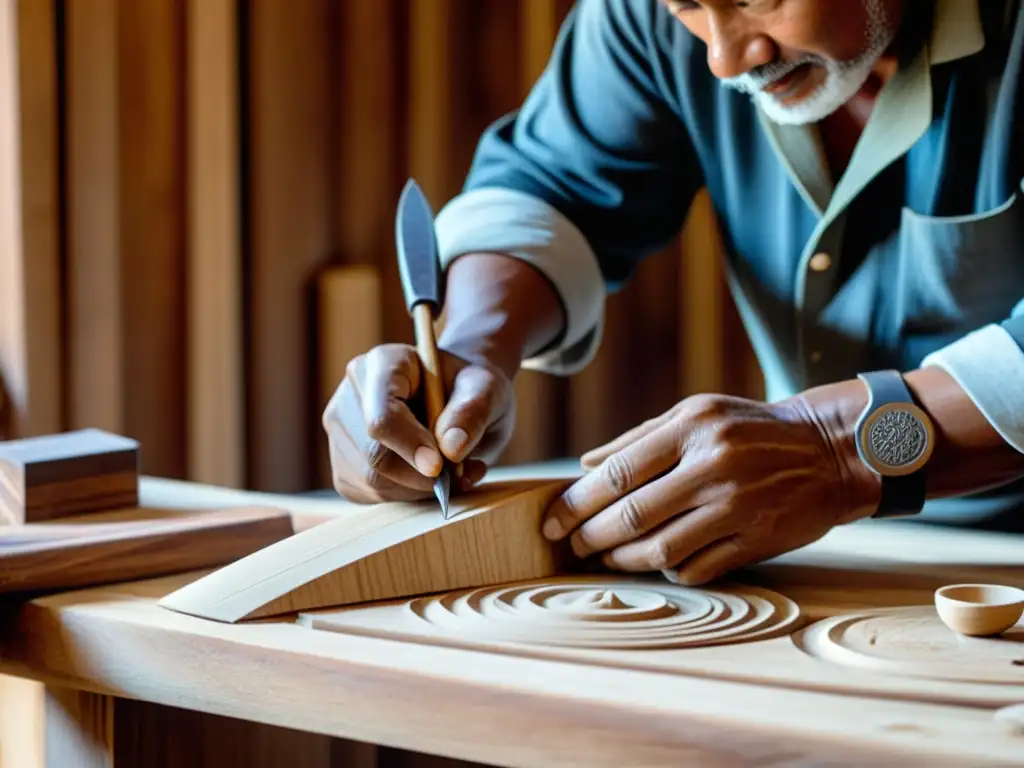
(912, 641)
(608, 612)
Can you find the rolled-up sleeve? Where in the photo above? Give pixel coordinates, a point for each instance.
(989, 365)
(594, 172)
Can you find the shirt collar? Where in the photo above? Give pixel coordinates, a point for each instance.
(956, 31)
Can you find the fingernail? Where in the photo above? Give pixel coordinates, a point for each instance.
(427, 461)
(553, 529)
(453, 441)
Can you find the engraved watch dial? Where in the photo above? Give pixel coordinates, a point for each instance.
(897, 438)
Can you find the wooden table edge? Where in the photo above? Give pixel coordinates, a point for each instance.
(449, 702)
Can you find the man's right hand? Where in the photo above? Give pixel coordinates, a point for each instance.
(380, 449)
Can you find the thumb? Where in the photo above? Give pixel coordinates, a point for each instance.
(477, 400)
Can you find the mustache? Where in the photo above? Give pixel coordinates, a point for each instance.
(766, 74)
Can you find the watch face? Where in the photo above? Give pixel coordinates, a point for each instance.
(897, 439)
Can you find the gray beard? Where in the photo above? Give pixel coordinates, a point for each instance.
(843, 79)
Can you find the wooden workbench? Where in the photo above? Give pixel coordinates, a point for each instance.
(129, 683)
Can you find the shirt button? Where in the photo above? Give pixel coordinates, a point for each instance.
(816, 356)
(821, 262)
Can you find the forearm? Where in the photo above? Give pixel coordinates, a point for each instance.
(969, 454)
(499, 309)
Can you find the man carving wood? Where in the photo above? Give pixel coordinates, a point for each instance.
(865, 159)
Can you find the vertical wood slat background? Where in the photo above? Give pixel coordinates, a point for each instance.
(189, 187)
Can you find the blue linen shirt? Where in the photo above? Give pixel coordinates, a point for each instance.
(914, 257)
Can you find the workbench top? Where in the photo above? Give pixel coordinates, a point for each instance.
(504, 709)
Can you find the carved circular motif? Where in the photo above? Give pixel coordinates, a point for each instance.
(897, 438)
(913, 642)
(608, 612)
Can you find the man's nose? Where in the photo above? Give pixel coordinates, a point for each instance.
(734, 49)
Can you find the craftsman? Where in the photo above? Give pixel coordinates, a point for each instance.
(866, 163)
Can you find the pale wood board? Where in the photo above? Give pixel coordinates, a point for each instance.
(216, 391)
(117, 641)
(701, 711)
(492, 535)
(779, 661)
(350, 322)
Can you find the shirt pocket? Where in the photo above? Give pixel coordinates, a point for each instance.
(956, 274)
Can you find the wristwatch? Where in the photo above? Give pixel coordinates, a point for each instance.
(895, 438)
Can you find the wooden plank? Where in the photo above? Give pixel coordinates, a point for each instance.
(13, 302)
(539, 22)
(53, 476)
(350, 322)
(370, 119)
(367, 123)
(96, 359)
(703, 341)
(288, 222)
(387, 551)
(481, 702)
(133, 543)
(30, 308)
(216, 391)
(41, 409)
(152, 184)
(432, 82)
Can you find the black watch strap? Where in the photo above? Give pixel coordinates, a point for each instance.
(895, 438)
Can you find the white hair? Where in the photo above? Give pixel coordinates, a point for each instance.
(843, 79)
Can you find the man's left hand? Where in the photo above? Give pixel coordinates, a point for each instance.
(712, 485)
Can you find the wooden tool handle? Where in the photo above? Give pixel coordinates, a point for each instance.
(426, 346)
(433, 381)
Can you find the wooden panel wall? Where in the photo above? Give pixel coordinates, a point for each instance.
(186, 186)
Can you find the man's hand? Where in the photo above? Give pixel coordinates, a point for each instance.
(712, 485)
(380, 449)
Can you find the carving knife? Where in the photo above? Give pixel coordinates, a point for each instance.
(420, 271)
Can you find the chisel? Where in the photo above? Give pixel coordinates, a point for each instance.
(420, 271)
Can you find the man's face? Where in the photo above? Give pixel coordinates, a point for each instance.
(800, 59)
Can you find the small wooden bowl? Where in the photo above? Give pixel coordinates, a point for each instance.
(979, 609)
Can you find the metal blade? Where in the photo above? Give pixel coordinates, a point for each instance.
(418, 262)
(442, 489)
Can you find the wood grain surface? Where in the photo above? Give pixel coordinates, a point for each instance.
(747, 704)
(118, 641)
(132, 544)
(71, 473)
(388, 550)
(174, 176)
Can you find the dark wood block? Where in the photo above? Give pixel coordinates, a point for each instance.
(71, 473)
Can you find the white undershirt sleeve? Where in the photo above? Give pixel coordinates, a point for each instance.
(989, 365)
(497, 220)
